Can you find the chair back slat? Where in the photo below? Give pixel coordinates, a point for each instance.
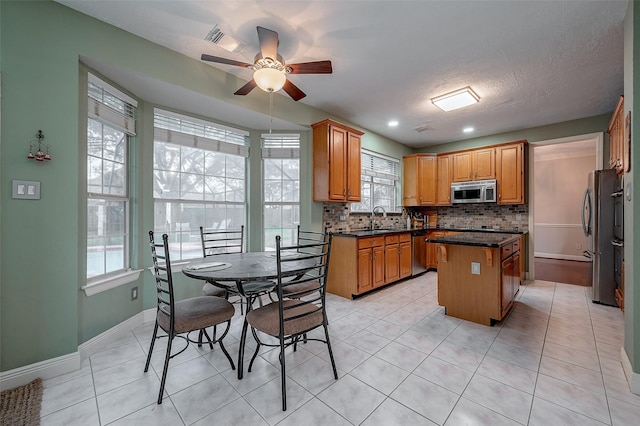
(221, 241)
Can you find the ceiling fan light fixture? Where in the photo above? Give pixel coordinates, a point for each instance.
(456, 99)
(269, 79)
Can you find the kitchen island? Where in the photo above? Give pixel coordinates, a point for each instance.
(478, 274)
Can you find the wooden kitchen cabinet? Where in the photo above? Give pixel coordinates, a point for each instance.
(445, 177)
(405, 255)
(616, 138)
(510, 281)
(361, 264)
(477, 164)
(510, 173)
(391, 262)
(419, 179)
(336, 162)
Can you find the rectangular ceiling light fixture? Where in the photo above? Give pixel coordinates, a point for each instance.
(456, 99)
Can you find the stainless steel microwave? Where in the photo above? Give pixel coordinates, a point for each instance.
(479, 191)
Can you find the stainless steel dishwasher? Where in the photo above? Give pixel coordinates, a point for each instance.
(418, 251)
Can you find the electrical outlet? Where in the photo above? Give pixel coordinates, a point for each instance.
(343, 217)
(475, 268)
(134, 293)
(518, 217)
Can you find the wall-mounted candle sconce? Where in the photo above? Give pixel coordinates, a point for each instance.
(39, 155)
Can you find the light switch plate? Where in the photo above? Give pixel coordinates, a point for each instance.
(475, 268)
(26, 189)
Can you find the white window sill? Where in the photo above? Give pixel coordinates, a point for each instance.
(105, 284)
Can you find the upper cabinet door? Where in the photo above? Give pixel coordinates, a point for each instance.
(484, 164)
(337, 163)
(445, 177)
(462, 166)
(510, 173)
(427, 177)
(354, 168)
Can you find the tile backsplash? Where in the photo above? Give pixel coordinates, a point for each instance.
(339, 218)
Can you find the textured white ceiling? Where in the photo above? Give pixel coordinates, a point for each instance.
(531, 62)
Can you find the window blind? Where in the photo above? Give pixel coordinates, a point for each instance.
(199, 134)
(110, 106)
(285, 145)
(377, 165)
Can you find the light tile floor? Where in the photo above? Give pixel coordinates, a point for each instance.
(554, 361)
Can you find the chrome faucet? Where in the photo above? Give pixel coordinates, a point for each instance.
(373, 215)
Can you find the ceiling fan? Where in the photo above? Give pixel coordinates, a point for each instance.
(270, 70)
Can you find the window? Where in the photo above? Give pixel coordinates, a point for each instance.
(380, 182)
(281, 186)
(199, 179)
(111, 122)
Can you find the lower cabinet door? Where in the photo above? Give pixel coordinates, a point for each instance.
(365, 269)
(378, 266)
(391, 263)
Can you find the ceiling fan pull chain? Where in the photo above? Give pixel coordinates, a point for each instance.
(270, 108)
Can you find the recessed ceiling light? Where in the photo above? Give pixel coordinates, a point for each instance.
(456, 99)
(393, 123)
(468, 129)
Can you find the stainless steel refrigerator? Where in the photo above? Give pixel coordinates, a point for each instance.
(598, 227)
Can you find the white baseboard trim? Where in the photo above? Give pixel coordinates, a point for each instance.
(44, 369)
(64, 364)
(561, 256)
(104, 339)
(633, 378)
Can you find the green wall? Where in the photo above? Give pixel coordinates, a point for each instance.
(582, 126)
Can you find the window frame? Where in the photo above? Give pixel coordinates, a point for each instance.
(279, 146)
(186, 132)
(113, 109)
(368, 176)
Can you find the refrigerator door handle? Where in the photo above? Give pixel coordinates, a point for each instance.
(617, 243)
(586, 205)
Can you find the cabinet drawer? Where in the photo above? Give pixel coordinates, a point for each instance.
(405, 237)
(506, 250)
(391, 239)
(370, 242)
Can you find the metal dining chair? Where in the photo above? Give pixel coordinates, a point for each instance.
(179, 318)
(215, 242)
(289, 319)
(294, 288)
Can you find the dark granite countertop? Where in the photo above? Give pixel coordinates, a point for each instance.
(369, 233)
(473, 238)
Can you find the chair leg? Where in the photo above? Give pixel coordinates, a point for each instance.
(153, 341)
(255, 353)
(203, 331)
(283, 374)
(167, 357)
(333, 363)
(224, 350)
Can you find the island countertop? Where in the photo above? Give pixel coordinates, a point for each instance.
(480, 239)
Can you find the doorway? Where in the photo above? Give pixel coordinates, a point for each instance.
(558, 178)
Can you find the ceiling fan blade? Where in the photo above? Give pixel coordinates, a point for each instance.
(318, 67)
(246, 88)
(268, 43)
(224, 61)
(293, 91)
